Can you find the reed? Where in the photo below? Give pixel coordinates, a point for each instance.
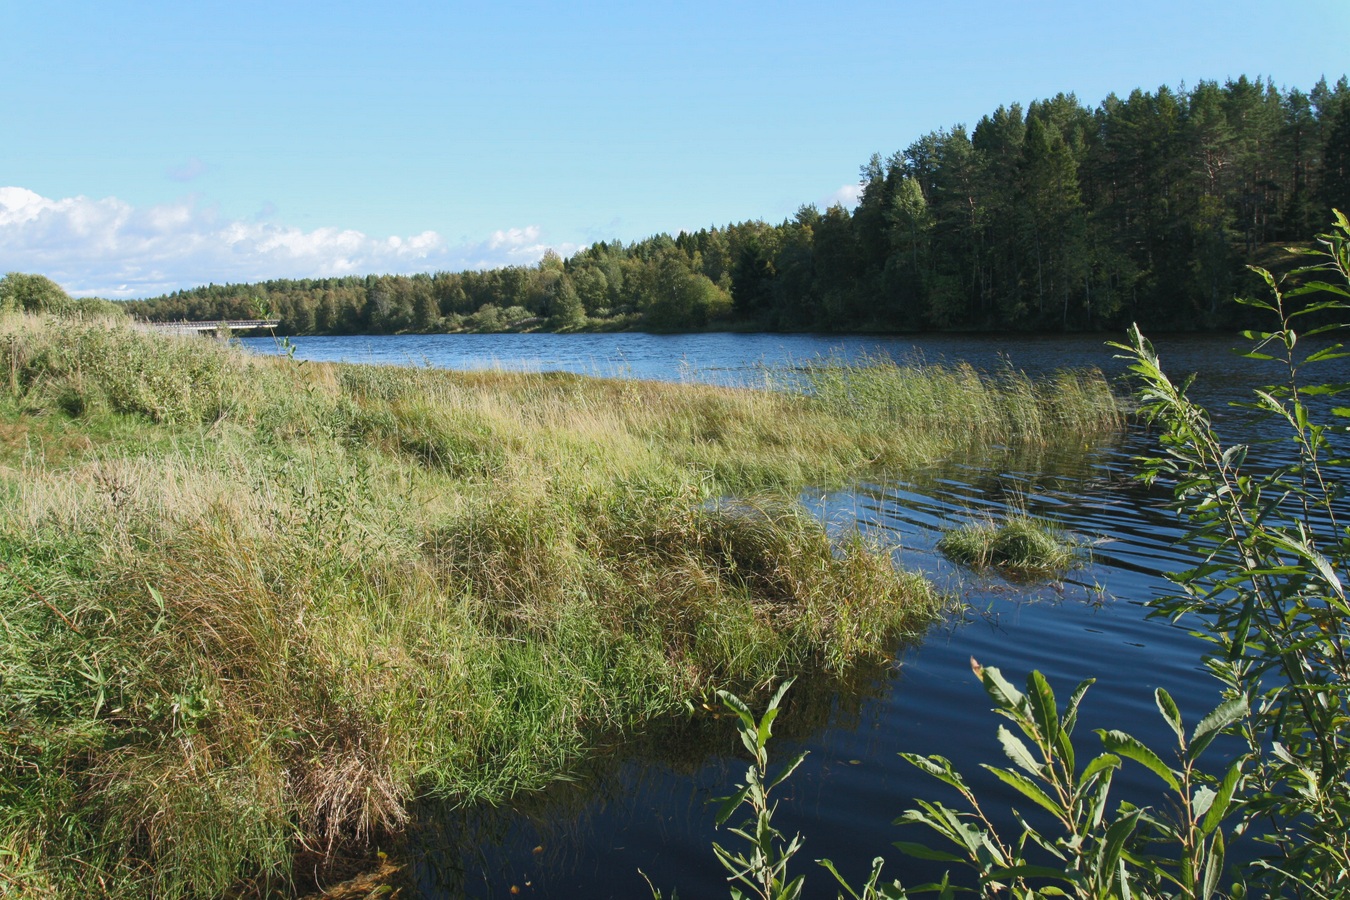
(254, 607)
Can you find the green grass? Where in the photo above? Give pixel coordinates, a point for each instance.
(253, 607)
(1020, 545)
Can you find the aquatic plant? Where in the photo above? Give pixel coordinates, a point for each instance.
(1020, 545)
(763, 865)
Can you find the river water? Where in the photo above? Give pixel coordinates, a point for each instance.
(641, 810)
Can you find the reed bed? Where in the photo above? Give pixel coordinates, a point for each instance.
(958, 403)
(253, 607)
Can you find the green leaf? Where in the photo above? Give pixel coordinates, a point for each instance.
(1202, 799)
(788, 770)
(1027, 788)
(1268, 278)
(1102, 763)
(1312, 287)
(1132, 748)
(923, 851)
(1223, 799)
(1213, 868)
(1071, 710)
(765, 729)
(1212, 725)
(1234, 456)
(1330, 389)
(778, 694)
(1252, 301)
(1023, 871)
(1168, 707)
(1064, 750)
(1018, 752)
(939, 767)
(1325, 353)
(871, 884)
(737, 705)
(730, 804)
(1043, 707)
(1114, 843)
(944, 889)
(1006, 697)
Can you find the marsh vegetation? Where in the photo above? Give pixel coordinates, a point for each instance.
(254, 606)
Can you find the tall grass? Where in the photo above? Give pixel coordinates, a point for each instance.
(959, 404)
(252, 607)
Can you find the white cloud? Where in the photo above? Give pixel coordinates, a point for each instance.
(110, 248)
(847, 196)
(514, 237)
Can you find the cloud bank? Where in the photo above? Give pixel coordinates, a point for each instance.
(109, 248)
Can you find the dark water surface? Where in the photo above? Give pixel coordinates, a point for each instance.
(643, 805)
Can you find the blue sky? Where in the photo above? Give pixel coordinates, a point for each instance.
(149, 146)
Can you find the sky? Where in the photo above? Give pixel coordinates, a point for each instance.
(150, 146)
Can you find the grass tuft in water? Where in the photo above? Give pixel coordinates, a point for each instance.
(1021, 546)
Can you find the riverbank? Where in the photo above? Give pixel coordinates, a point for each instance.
(255, 606)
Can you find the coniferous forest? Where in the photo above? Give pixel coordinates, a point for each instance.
(1056, 216)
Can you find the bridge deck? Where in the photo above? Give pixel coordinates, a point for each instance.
(216, 326)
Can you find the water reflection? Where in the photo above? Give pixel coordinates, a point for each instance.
(639, 801)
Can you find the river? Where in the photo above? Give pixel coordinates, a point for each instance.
(641, 809)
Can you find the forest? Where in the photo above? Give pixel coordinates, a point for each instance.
(1052, 217)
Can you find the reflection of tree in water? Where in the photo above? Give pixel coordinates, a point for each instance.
(683, 761)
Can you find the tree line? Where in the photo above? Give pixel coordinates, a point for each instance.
(1055, 216)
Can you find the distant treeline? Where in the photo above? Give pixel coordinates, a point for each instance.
(1056, 216)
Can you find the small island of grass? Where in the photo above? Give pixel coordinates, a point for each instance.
(1020, 546)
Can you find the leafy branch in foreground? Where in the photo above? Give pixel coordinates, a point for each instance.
(1073, 844)
(1269, 590)
(763, 866)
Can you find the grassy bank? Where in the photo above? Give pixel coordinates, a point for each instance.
(252, 605)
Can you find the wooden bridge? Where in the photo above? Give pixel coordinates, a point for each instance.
(220, 325)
